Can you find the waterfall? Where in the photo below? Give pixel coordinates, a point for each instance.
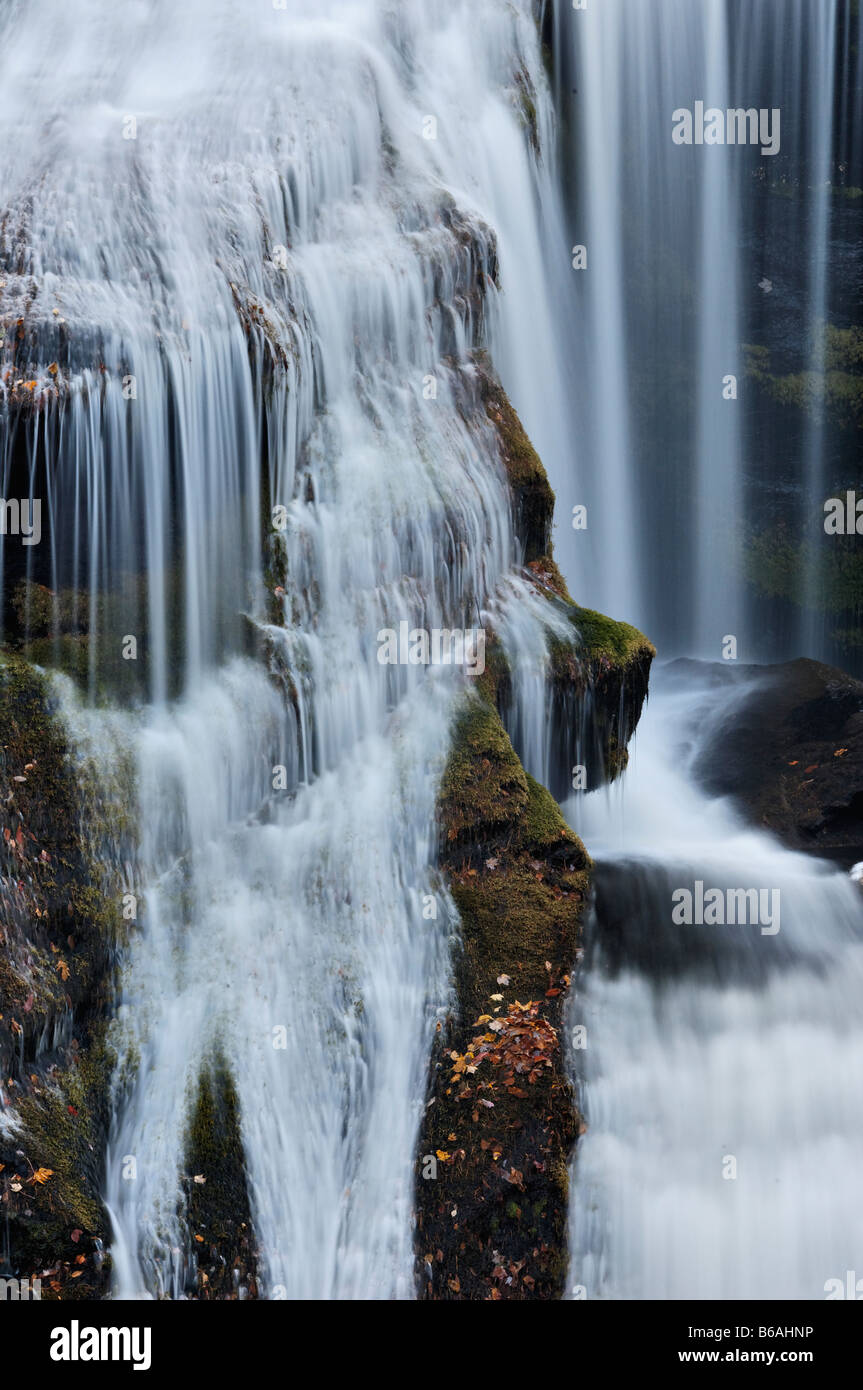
(256, 260)
(253, 252)
(719, 1072)
(695, 255)
(718, 1069)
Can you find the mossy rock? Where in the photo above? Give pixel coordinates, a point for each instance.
(491, 1222)
(217, 1209)
(605, 641)
(59, 1224)
(56, 947)
(531, 491)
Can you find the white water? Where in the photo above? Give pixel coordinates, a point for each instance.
(703, 1042)
(278, 176)
(712, 1042)
(693, 252)
(303, 128)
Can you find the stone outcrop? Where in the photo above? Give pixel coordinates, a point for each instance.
(790, 751)
(500, 1120)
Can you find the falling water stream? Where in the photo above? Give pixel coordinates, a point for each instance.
(261, 245)
(258, 249)
(720, 1070)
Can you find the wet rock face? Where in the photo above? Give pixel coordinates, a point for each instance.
(500, 1120)
(789, 749)
(56, 930)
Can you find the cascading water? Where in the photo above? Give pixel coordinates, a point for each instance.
(254, 252)
(719, 1074)
(699, 258)
(252, 255)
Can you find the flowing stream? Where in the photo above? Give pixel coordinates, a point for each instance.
(259, 245)
(720, 1071)
(258, 248)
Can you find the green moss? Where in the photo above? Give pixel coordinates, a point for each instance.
(547, 576)
(543, 826)
(65, 631)
(836, 391)
(607, 638)
(776, 561)
(519, 877)
(54, 967)
(531, 490)
(218, 1211)
(484, 788)
(64, 1131)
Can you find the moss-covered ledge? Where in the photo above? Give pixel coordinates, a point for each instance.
(500, 1121)
(599, 678)
(598, 681)
(533, 498)
(56, 933)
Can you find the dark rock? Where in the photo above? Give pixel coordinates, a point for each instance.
(789, 749)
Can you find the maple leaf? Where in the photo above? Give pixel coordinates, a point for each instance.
(42, 1175)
